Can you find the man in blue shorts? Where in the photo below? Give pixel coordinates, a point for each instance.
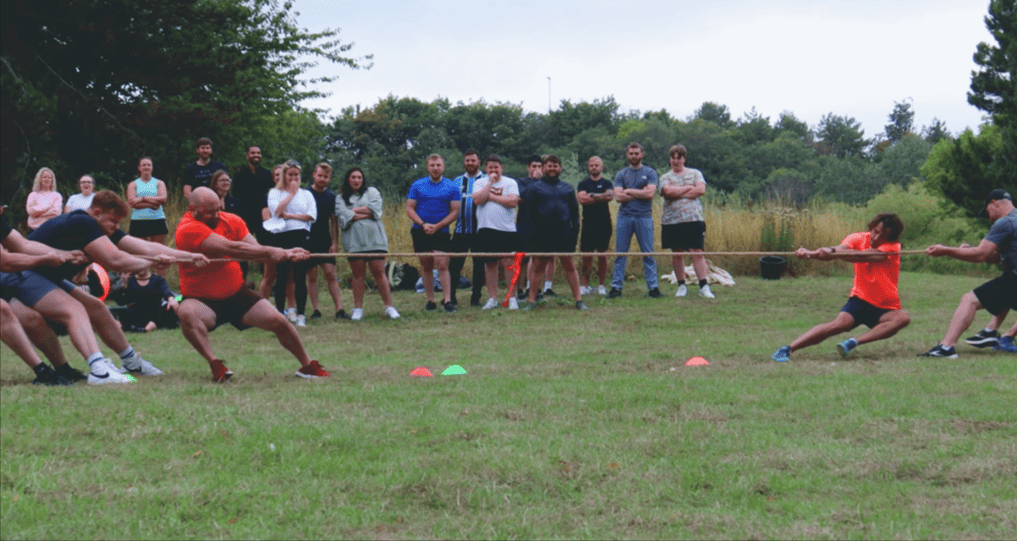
(432, 204)
(873, 301)
(995, 296)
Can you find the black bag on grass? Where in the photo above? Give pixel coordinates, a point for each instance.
(401, 275)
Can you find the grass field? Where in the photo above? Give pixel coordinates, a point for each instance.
(567, 425)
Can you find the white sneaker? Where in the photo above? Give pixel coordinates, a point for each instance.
(491, 304)
(301, 321)
(291, 315)
(136, 365)
(682, 291)
(104, 371)
(586, 290)
(358, 314)
(391, 312)
(513, 303)
(601, 290)
(705, 292)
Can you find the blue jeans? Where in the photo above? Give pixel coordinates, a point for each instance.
(643, 229)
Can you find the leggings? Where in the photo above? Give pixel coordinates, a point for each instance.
(283, 269)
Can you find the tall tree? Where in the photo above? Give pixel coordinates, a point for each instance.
(902, 121)
(994, 85)
(936, 131)
(962, 169)
(840, 136)
(714, 112)
(88, 86)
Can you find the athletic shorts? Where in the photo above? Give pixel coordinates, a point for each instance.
(148, 228)
(595, 238)
(362, 256)
(232, 309)
(27, 286)
(493, 240)
(998, 295)
(863, 312)
(548, 244)
(320, 247)
(423, 243)
(683, 236)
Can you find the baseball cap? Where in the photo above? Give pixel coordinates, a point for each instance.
(995, 195)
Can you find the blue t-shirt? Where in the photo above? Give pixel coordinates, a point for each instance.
(636, 179)
(466, 222)
(1004, 235)
(433, 199)
(68, 232)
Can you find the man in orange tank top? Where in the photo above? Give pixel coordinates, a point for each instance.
(873, 300)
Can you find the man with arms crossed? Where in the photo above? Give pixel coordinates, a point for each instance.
(683, 227)
(216, 294)
(634, 188)
(323, 240)
(496, 198)
(432, 204)
(594, 194)
(873, 300)
(995, 296)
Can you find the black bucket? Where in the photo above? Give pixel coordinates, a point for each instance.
(771, 267)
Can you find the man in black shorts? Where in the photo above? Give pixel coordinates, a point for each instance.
(554, 212)
(997, 295)
(432, 204)
(216, 294)
(324, 231)
(594, 194)
(683, 227)
(496, 197)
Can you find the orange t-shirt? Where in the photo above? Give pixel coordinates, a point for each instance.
(217, 280)
(876, 283)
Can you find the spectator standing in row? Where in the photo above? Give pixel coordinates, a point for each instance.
(296, 208)
(146, 196)
(251, 184)
(45, 201)
(465, 237)
(594, 193)
(200, 172)
(496, 197)
(324, 233)
(683, 227)
(432, 203)
(634, 188)
(358, 213)
(83, 199)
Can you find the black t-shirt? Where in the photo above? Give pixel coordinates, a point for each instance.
(523, 222)
(197, 176)
(69, 232)
(325, 201)
(596, 214)
(5, 229)
(250, 189)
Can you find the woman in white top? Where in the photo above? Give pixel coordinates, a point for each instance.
(297, 210)
(83, 200)
(44, 202)
(146, 195)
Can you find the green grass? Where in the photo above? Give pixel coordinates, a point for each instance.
(568, 425)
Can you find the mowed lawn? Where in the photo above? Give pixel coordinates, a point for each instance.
(567, 425)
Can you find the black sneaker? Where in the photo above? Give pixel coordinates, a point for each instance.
(69, 373)
(940, 351)
(984, 339)
(315, 315)
(654, 293)
(523, 294)
(47, 376)
(451, 308)
(540, 299)
(430, 307)
(475, 301)
(550, 293)
(614, 293)
(580, 305)
(341, 314)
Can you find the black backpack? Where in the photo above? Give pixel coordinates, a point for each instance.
(401, 275)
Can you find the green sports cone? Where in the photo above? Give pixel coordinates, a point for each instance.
(454, 370)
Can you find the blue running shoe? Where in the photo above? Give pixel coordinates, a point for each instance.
(783, 354)
(1005, 344)
(846, 346)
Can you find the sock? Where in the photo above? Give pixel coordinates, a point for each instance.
(547, 285)
(702, 283)
(127, 353)
(681, 282)
(95, 357)
(988, 330)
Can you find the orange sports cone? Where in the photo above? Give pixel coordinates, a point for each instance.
(421, 372)
(697, 361)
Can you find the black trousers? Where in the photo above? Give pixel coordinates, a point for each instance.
(462, 243)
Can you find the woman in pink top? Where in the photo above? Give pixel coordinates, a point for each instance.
(44, 202)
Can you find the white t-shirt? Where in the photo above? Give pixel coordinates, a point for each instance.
(302, 203)
(79, 202)
(491, 215)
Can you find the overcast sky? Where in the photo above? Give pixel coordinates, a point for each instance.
(853, 58)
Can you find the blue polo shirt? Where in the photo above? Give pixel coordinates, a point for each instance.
(433, 199)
